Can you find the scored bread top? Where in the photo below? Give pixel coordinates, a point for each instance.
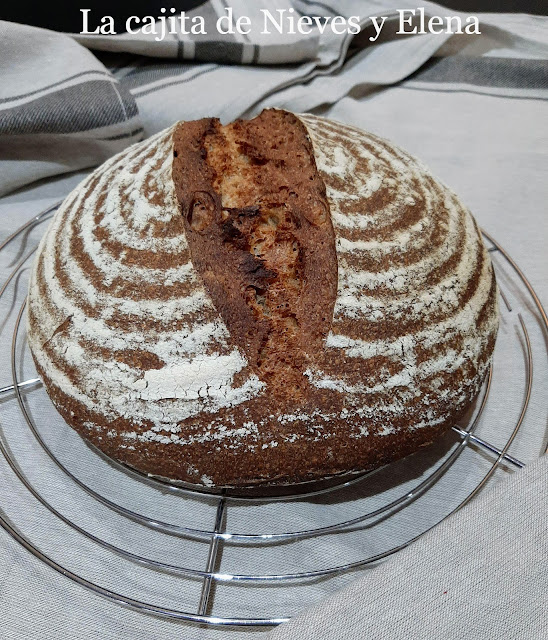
(272, 301)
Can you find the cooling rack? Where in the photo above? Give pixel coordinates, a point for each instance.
(230, 559)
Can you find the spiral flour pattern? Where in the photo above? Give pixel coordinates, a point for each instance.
(142, 356)
(416, 289)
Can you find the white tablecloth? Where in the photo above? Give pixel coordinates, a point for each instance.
(474, 110)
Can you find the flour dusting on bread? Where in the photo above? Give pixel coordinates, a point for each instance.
(265, 302)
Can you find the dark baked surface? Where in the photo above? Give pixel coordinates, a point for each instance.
(262, 242)
(267, 302)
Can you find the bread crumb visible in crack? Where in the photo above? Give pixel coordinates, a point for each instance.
(260, 235)
(262, 222)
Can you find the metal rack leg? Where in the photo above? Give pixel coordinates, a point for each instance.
(489, 447)
(212, 556)
(20, 385)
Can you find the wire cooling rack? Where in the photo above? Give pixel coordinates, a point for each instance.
(174, 552)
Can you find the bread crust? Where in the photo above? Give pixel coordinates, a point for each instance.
(266, 253)
(182, 332)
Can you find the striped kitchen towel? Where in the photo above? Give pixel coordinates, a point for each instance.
(64, 108)
(60, 108)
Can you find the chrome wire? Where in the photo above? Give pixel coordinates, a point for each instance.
(218, 536)
(268, 537)
(43, 215)
(236, 536)
(233, 536)
(20, 385)
(212, 557)
(525, 405)
(485, 445)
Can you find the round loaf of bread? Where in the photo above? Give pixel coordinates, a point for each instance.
(268, 302)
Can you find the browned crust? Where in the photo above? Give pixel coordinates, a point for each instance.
(290, 462)
(267, 260)
(248, 287)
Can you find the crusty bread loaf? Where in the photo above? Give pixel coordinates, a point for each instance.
(267, 302)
